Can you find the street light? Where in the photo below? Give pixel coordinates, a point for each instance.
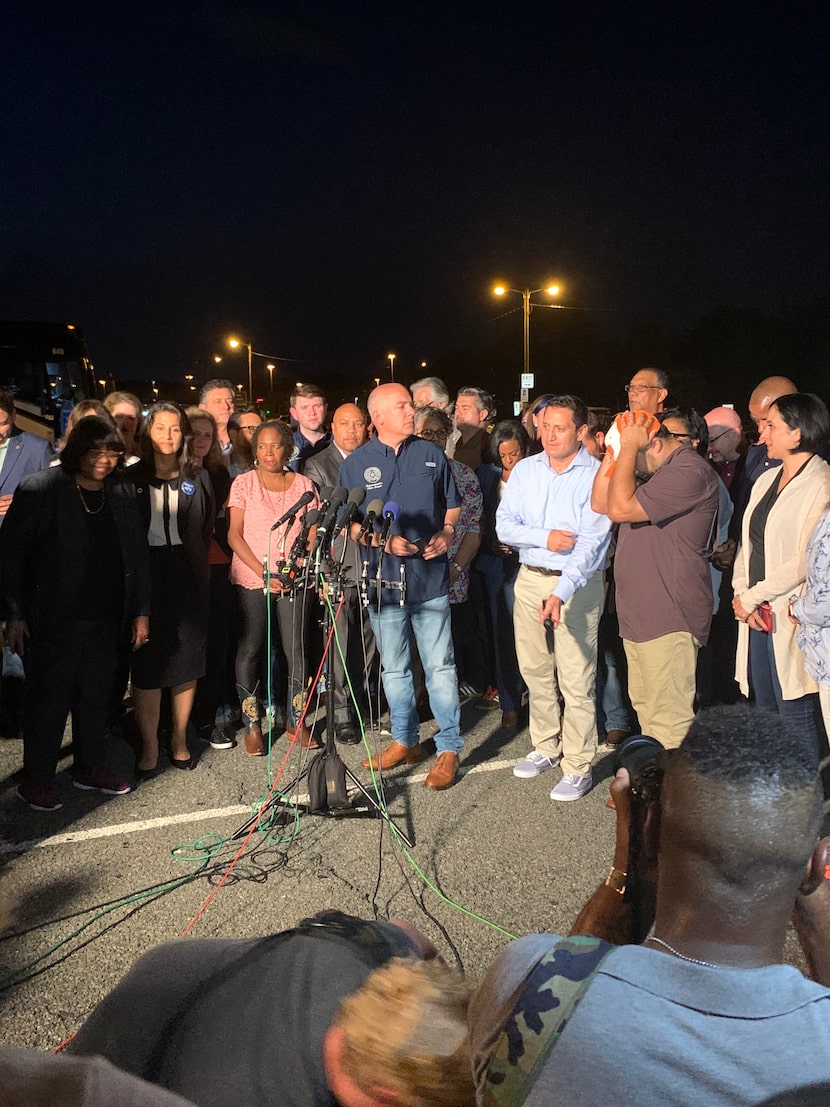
(526, 293)
(235, 343)
(391, 359)
(270, 367)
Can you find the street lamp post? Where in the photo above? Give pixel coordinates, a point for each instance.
(391, 359)
(527, 307)
(235, 343)
(270, 367)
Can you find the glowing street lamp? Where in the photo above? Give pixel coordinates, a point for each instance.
(526, 294)
(391, 359)
(234, 344)
(270, 367)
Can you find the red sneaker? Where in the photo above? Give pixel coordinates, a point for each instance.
(39, 796)
(101, 780)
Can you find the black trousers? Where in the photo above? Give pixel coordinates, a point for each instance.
(289, 628)
(70, 667)
(354, 632)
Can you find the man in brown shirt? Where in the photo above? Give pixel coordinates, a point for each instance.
(473, 408)
(664, 591)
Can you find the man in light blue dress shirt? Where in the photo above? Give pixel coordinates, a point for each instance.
(546, 515)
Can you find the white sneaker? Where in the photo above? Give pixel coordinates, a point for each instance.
(572, 787)
(535, 763)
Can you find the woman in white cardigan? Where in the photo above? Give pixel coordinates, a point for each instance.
(784, 507)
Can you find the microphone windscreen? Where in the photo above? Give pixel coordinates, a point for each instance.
(311, 517)
(339, 496)
(326, 493)
(375, 508)
(391, 508)
(357, 496)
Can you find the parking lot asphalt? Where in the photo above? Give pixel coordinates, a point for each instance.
(92, 886)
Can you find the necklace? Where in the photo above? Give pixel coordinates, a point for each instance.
(682, 956)
(87, 508)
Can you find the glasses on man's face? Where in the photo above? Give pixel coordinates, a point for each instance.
(636, 388)
(434, 435)
(248, 428)
(680, 437)
(715, 437)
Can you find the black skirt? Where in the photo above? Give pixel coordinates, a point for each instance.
(175, 653)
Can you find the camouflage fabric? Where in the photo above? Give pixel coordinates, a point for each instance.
(550, 994)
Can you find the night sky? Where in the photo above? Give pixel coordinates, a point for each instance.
(337, 180)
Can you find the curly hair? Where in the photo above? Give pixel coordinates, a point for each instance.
(406, 1028)
(282, 429)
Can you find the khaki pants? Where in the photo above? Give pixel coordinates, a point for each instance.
(661, 685)
(571, 669)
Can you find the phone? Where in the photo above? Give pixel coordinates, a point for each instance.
(767, 617)
(549, 634)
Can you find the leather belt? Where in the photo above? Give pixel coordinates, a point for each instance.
(544, 572)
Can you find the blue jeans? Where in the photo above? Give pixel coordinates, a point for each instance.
(766, 687)
(430, 623)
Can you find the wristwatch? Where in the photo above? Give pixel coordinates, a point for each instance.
(458, 568)
(451, 526)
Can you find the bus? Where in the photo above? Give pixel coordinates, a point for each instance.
(46, 368)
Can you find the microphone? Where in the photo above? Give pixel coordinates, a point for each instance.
(325, 494)
(356, 498)
(306, 498)
(390, 514)
(373, 513)
(328, 516)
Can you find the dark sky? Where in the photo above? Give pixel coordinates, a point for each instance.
(338, 180)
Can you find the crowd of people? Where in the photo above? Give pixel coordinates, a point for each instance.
(611, 577)
(658, 575)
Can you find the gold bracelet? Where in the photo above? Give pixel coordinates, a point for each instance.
(616, 880)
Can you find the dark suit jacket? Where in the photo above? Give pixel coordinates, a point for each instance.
(195, 515)
(25, 453)
(43, 548)
(324, 469)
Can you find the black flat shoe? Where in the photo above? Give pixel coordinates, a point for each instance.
(183, 763)
(145, 774)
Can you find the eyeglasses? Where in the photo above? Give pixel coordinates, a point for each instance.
(98, 455)
(432, 435)
(249, 428)
(680, 437)
(715, 437)
(641, 387)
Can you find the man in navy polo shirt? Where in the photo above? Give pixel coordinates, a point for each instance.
(395, 466)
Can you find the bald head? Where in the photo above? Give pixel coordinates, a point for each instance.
(348, 428)
(392, 413)
(766, 393)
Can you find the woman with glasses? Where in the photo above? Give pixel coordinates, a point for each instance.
(784, 507)
(75, 579)
(436, 426)
(177, 505)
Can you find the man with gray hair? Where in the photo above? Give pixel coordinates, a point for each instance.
(473, 410)
(430, 392)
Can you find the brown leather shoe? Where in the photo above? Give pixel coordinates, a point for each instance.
(302, 735)
(395, 754)
(510, 720)
(254, 744)
(443, 773)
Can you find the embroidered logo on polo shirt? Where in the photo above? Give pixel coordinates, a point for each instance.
(371, 475)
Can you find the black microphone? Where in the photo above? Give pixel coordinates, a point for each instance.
(373, 513)
(390, 514)
(306, 498)
(356, 498)
(325, 494)
(327, 517)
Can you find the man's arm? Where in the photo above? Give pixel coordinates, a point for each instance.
(623, 505)
(607, 914)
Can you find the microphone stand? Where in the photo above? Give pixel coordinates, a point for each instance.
(369, 806)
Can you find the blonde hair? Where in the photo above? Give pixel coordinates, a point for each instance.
(213, 457)
(406, 1029)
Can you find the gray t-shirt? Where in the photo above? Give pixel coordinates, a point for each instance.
(652, 1029)
(663, 581)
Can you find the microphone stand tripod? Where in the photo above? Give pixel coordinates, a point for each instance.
(331, 573)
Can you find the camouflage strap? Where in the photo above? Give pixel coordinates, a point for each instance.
(549, 998)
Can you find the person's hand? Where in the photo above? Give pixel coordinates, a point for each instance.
(141, 632)
(756, 621)
(275, 584)
(399, 546)
(437, 545)
(723, 556)
(15, 635)
(5, 503)
(741, 613)
(637, 428)
(551, 609)
(561, 541)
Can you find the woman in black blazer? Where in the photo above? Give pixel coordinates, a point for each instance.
(74, 577)
(177, 505)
